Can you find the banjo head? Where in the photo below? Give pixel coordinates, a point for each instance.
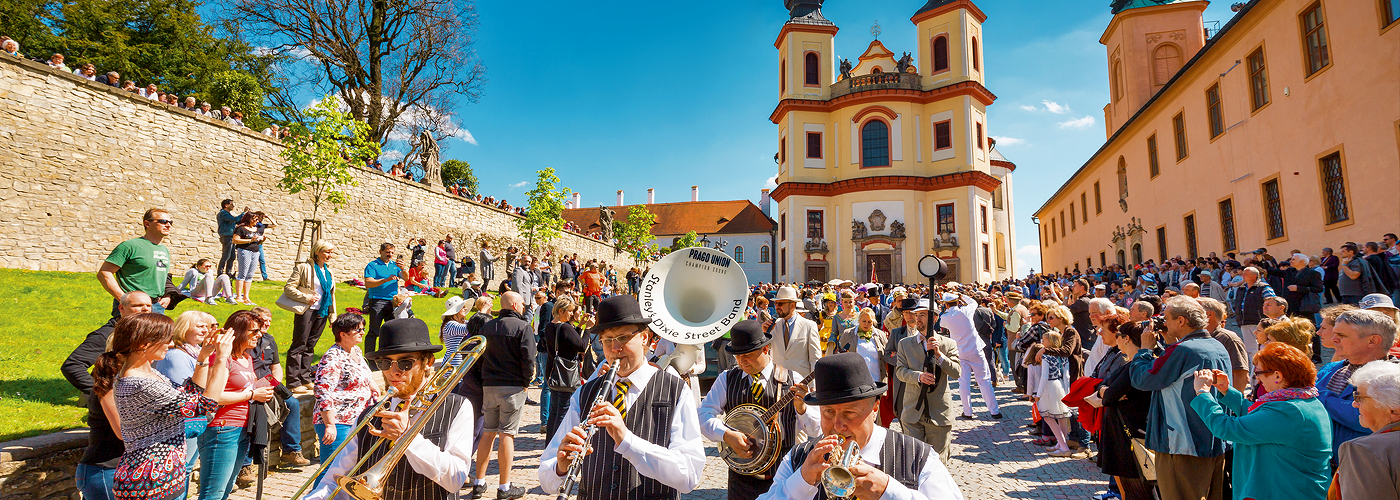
(764, 439)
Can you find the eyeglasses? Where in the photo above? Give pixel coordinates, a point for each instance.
(618, 341)
(162, 221)
(1359, 398)
(1261, 373)
(403, 365)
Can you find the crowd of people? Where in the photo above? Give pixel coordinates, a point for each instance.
(1138, 371)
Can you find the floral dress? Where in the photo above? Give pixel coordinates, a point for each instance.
(342, 386)
(153, 413)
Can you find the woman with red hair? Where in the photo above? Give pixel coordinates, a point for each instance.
(1283, 441)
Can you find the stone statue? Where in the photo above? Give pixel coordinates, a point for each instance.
(877, 220)
(904, 63)
(432, 167)
(846, 68)
(945, 241)
(815, 245)
(605, 220)
(896, 229)
(857, 229)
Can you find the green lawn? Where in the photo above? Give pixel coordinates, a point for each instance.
(47, 314)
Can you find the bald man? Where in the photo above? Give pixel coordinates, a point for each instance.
(507, 367)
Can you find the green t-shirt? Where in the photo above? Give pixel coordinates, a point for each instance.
(145, 266)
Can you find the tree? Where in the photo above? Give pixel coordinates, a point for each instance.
(240, 91)
(321, 150)
(543, 220)
(687, 240)
(392, 62)
(459, 173)
(634, 233)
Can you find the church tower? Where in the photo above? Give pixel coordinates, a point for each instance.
(805, 55)
(950, 42)
(1147, 43)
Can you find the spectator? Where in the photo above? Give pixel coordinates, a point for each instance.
(1215, 324)
(87, 71)
(225, 114)
(141, 263)
(95, 473)
(1385, 279)
(344, 388)
(382, 277)
(247, 244)
(1190, 461)
(225, 443)
(1125, 416)
(1329, 320)
(1359, 337)
(189, 104)
(1304, 294)
(206, 110)
(202, 285)
(272, 130)
(151, 92)
(267, 365)
(487, 265)
(130, 86)
(564, 348)
(439, 264)
(1368, 467)
(11, 47)
(592, 282)
(264, 223)
(191, 330)
(417, 252)
(235, 118)
(1250, 304)
(507, 368)
(451, 260)
(56, 62)
(1079, 306)
(312, 288)
(1355, 278)
(227, 222)
(1054, 385)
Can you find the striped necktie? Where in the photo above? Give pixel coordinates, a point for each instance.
(620, 402)
(757, 389)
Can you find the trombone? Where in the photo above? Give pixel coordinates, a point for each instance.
(369, 485)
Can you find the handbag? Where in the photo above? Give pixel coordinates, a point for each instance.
(287, 302)
(561, 374)
(1146, 459)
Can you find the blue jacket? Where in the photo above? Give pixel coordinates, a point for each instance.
(1172, 426)
(1282, 448)
(227, 222)
(1346, 420)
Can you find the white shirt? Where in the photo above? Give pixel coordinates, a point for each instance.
(958, 321)
(935, 483)
(866, 348)
(712, 411)
(315, 290)
(678, 466)
(447, 467)
(1096, 356)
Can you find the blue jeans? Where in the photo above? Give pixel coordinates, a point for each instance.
(262, 261)
(1005, 363)
(291, 427)
(439, 275)
(96, 481)
(451, 271)
(544, 406)
(221, 453)
(342, 431)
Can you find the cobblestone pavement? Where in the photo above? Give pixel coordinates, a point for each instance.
(991, 459)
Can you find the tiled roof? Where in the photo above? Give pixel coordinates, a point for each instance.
(674, 219)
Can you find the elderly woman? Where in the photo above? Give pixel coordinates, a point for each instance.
(1125, 413)
(1369, 466)
(343, 385)
(190, 333)
(866, 339)
(312, 288)
(1283, 442)
(1060, 318)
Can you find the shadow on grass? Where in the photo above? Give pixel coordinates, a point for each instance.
(40, 390)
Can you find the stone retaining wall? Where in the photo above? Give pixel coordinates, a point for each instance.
(83, 161)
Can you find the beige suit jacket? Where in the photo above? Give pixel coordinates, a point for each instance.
(301, 287)
(803, 348)
(939, 407)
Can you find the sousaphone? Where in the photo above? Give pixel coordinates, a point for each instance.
(693, 295)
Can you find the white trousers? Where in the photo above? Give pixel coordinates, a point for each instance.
(1251, 346)
(984, 384)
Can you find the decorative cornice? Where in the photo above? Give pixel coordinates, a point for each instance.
(924, 15)
(806, 28)
(874, 109)
(1004, 164)
(981, 180)
(968, 88)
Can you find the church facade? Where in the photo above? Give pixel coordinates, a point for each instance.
(887, 159)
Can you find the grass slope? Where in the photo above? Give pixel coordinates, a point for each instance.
(47, 314)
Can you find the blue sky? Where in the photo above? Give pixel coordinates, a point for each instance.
(636, 95)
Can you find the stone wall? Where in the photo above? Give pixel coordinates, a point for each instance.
(83, 161)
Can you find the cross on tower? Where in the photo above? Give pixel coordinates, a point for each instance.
(875, 30)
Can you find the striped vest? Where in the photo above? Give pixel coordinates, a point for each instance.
(403, 483)
(901, 457)
(739, 391)
(605, 474)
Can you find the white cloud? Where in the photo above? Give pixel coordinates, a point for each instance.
(1029, 108)
(1027, 257)
(771, 182)
(1078, 123)
(390, 155)
(1055, 107)
(1008, 141)
(520, 184)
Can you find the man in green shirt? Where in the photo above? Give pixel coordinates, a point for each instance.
(141, 263)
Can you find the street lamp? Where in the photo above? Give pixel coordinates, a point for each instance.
(933, 268)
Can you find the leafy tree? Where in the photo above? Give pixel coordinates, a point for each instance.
(634, 233)
(458, 172)
(321, 150)
(687, 240)
(543, 221)
(239, 91)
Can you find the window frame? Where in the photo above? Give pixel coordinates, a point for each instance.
(952, 222)
(782, 221)
(739, 254)
(1188, 223)
(983, 217)
(765, 254)
(1084, 206)
(818, 137)
(1325, 200)
(1385, 9)
(1054, 235)
(1073, 218)
(820, 225)
(947, 126)
(889, 162)
(1229, 239)
(986, 258)
(782, 260)
(1215, 113)
(934, 52)
(782, 76)
(1063, 233)
(1305, 33)
(1098, 199)
(976, 57)
(1166, 78)
(1258, 80)
(1179, 138)
(1163, 252)
(782, 149)
(981, 141)
(812, 69)
(1264, 205)
(1118, 91)
(1154, 163)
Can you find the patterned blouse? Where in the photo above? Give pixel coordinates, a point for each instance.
(453, 333)
(153, 414)
(343, 386)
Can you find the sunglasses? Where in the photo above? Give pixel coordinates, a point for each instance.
(162, 221)
(403, 365)
(1261, 373)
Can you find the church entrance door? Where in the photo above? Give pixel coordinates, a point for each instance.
(878, 265)
(815, 272)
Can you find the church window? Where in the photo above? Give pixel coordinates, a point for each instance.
(1166, 60)
(943, 135)
(876, 70)
(814, 224)
(814, 144)
(811, 69)
(976, 57)
(875, 144)
(764, 254)
(940, 54)
(946, 222)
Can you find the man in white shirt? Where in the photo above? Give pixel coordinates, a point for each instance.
(433, 468)
(891, 465)
(957, 319)
(755, 381)
(796, 343)
(630, 455)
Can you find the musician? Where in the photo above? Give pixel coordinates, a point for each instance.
(927, 362)
(891, 465)
(958, 310)
(889, 404)
(754, 379)
(632, 457)
(796, 341)
(437, 462)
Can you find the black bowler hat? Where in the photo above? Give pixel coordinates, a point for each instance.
(747, 336)
(619, 310)
(399, 336)
(842, 378)
(907, 305)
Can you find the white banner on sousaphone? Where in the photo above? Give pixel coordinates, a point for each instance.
(694, 295)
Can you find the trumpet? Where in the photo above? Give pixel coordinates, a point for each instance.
(575, 471)
(838, 479)
(369, 485)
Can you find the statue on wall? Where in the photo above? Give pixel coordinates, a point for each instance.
(815, 245)
(846, 68)
(605, 220)
(857, 229)
(902, 66)
(877, 220)
(945, 241)
(432, 166)
(896, 229)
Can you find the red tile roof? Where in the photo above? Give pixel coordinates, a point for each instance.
(674, 219)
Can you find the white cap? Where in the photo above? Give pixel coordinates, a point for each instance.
(949, 297)
(922, 305)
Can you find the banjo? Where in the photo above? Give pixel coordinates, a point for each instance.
(760, 426)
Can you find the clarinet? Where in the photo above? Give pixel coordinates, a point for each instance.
(575, 471)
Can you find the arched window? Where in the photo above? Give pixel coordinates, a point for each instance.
(782, 76)
(876, 70)
(1137, 253)
(739, 254)
(1166, 60)
(976, 57)
(1122, 178)
(875, 144)
(1117, 80)
(811, 67)
(764, 254)
(940, 54)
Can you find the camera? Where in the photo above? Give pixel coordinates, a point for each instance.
(1159, 324)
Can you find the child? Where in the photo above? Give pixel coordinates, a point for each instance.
(454, 324)
(1054, 384)
(403, 305)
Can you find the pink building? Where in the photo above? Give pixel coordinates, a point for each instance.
(1280, 130)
